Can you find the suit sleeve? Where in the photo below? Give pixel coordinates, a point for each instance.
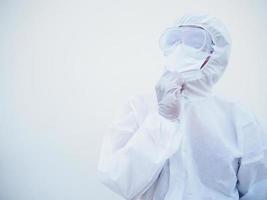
(252, 173)
(133, 154)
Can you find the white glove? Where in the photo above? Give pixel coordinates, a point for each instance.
(168, 90)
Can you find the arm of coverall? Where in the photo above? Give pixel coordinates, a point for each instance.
(133, 155)
(252, 173)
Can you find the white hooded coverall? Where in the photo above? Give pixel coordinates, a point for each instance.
(218, 151)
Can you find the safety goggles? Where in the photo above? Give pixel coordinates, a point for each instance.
(189, 35)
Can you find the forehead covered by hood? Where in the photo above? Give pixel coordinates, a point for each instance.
(218, 61)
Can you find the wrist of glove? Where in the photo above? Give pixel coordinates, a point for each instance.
(169, 95)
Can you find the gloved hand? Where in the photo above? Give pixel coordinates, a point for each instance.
(169, 95)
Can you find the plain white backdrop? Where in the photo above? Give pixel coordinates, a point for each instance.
(66, 67)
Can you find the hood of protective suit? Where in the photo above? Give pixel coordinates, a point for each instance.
(216, 65)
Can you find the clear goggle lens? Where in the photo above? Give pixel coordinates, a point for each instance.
(195, 37)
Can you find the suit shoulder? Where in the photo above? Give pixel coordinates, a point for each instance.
(242, 111)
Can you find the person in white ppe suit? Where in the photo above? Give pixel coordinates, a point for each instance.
(182, 141)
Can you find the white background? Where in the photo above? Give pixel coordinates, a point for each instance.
(66, 67)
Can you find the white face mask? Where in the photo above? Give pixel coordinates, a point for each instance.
(186, 60)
